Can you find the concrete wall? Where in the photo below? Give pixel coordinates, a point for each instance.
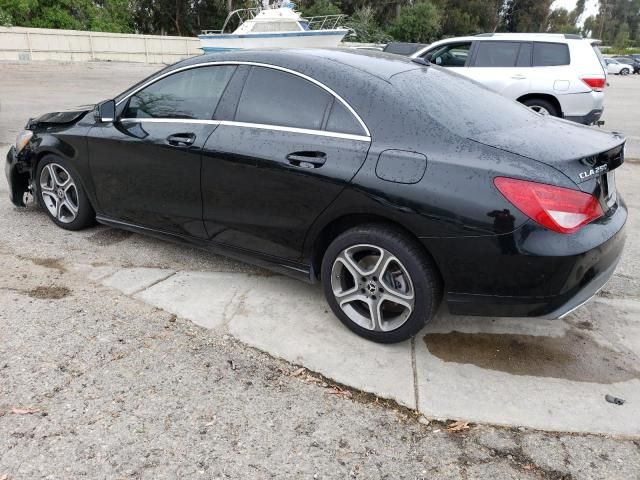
(26, 44)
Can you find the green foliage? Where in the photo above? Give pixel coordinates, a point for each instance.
(560, 21)
(5, 19)
(619, 51)
(108, 15)
(417, 23)
(526, 15)
(365, 27)
(321, 7)
(468, 17)
(617, 23)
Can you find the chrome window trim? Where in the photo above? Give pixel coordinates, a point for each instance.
(229, 123)
(266, 65)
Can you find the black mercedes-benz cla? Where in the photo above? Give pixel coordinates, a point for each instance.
(395, 184)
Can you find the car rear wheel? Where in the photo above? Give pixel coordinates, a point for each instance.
(380, 283)
(543, 107)
(61, 194)
(625, 71)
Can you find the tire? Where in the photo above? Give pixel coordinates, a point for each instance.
(624, 71)
(61, 194)
(541, 106)
(368, 266)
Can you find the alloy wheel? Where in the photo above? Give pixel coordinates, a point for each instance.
(59, 192)
(539, 109)
(372, 287)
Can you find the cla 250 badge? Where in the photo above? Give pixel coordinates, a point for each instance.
(592, 172)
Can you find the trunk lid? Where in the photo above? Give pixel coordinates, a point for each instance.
(580, 152)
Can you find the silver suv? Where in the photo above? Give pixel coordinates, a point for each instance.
(554, 74)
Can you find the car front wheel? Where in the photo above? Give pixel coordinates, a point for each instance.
(61, 194)
(624, 71)
(380, 283)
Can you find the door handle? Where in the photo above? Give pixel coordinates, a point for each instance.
(181, 139)
(519, 77)
(307, 159)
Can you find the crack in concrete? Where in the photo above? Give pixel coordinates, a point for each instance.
(414, 368)
(153, 284)
(229, 313)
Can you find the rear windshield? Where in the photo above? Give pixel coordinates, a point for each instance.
(461, 105)
(599, 55)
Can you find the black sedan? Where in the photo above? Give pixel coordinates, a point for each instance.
(395, 184)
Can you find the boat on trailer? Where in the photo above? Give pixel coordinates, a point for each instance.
(276, 25)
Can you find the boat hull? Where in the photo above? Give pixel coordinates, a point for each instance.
(303, 39)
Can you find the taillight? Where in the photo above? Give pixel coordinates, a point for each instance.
(595, 83)
(559, 209)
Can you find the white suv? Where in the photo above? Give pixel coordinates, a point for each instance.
(555, 74)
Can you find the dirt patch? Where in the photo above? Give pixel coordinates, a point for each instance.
(54, 263)
(109, 236)
(571, 357)
(49, 293)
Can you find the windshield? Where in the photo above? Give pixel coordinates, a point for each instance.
(461, 105)
(596, 49)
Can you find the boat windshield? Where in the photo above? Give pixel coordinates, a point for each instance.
(277, 26)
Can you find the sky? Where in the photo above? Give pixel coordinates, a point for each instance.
(591, 7)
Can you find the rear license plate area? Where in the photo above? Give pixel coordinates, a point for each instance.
(609, 192)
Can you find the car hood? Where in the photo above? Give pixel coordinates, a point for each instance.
(60, 118)
(559, 143)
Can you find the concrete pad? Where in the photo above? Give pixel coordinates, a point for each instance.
(95, 273)
(207, 299)
(132, 280)
(452, 389)
(291, 320)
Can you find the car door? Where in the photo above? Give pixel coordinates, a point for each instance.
(283, 152)
(146, 164)
(503, 66)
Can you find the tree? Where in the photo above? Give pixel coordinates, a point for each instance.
(468, 17)
(106, 15)
(176, 17)
(321, 7)
(365, 27)
(561, 21)
(417, 23)
(527, 15)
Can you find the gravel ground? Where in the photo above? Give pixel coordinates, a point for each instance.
(120, 389)
(123, 390)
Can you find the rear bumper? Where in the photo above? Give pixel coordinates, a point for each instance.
(532, 272)
(585, 107)
(589, 119)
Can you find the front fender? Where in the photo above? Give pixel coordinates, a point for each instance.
(18, 177)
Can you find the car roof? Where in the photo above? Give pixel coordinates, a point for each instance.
(538, 37)
(310, 61)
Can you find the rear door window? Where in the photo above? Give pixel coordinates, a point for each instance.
(550, 54)
(497, 54)
(342, 120)
(190, 94)
(273, 97)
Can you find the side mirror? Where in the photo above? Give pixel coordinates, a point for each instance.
(107, 111)
(428, 56)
